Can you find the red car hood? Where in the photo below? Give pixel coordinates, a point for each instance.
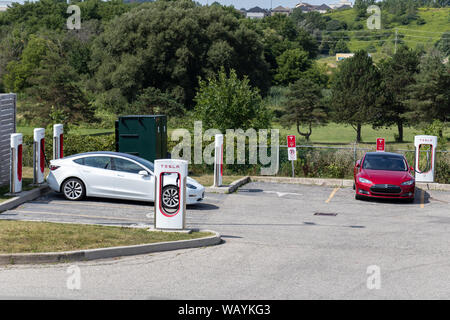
(386, 176)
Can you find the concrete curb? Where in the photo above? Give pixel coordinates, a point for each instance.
(23, 197)
(338, 182)
(111, 252)
(308, 181)
(231, 188)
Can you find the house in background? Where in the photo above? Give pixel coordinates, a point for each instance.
(323, 8)
(306, 7)
(4, 5)
(342, 4)
(256, 13)
(281, 10)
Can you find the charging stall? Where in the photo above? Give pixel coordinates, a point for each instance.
(170, 193)
(16, 163)
(425, 158)
(58, 141)
(38, 155)
(218, 160)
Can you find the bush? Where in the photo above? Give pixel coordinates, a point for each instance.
(73, 144)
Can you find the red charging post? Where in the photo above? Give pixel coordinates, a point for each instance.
(39, 155)
(292, 151)
(16, 163)
(58, 141)
(380, 145)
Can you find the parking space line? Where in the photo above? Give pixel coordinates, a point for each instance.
(332, 194)
(74, 215)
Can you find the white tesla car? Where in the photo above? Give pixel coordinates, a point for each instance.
(115, 175)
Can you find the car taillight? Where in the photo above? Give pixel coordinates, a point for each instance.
(53, 167)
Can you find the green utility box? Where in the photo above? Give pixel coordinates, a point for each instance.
(143, 136)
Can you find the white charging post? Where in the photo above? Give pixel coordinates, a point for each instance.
(170, 193)
(16, 163)
(38, 155)
(420, 142)
(218, 160)
(58, 141)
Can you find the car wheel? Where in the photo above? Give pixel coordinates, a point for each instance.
(73, 189)
(170, 197)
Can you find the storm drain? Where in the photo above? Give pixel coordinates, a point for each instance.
(325, 214)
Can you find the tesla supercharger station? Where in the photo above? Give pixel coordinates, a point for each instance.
(170, 193)
(218, 160)
(421, 142)
(16, 163)
(38, 155)
(58, 141)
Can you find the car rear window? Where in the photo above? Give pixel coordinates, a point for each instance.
(384, 162)
(96, 162)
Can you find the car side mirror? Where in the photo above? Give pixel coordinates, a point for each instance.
(143, 173)
(411, 169)
(358, 163)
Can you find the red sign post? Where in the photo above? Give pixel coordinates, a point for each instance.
(291, 141)
(380, 144)
(292, 151)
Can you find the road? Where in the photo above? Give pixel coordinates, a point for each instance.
(281, 241)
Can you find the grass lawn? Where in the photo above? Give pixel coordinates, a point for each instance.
(32, 237)
(338, 134)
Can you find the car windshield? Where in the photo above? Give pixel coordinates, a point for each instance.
(384, 162)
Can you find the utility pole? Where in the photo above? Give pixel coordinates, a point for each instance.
(396, 38)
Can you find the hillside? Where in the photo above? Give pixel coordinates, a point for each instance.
(428, 27)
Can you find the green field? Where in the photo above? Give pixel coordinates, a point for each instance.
(338, 134)
(437, 21)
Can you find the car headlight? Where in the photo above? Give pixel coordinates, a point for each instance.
(364, 180)
(407, 183)
(190, 186)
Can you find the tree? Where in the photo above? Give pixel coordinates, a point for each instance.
(55, 90)
(227, 102)
(398, 74)
(355, 92)
(19, 72)
(291, 65)
(304, 106)
(170, 44)
(429, 96)
(444, 44)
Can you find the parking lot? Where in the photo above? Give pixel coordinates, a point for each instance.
(281, 241)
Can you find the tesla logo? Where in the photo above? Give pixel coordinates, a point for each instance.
(170, 166)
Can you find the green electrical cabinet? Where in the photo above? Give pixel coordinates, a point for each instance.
(144, 136)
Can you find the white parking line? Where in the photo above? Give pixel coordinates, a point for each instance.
(280, 194)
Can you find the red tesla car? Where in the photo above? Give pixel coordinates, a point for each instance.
(383, 175)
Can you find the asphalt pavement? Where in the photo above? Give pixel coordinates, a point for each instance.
(281, 241)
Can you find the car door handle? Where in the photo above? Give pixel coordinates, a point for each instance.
(120, 175)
